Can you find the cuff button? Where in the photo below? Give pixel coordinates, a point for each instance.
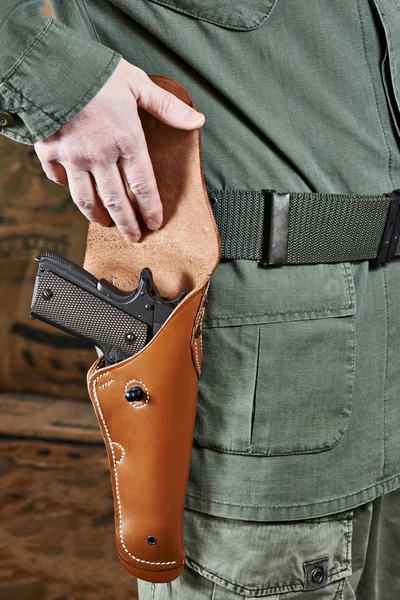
(6, 119)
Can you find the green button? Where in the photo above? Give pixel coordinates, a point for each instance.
(6, 119)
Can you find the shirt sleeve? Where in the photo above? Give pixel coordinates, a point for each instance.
(48, 72)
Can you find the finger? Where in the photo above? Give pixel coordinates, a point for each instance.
(55, 172)
(166, 106)
(139, 175)
(83, 193)
(112, 192)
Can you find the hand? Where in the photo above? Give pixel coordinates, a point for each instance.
(83, 153)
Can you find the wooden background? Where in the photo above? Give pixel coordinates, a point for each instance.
(36, 216)
(56, 509)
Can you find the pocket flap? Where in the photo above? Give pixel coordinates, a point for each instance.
(242, 15)
(258, 558)
(242, 293)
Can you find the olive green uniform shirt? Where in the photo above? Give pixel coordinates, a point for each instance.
(299, 398)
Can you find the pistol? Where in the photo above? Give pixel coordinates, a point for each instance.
(119, 323)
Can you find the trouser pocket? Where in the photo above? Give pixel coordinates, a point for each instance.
(229, 559)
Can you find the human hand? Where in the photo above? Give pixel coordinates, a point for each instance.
(83, 153)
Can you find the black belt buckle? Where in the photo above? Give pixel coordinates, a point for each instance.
(390, 237)
(274, 250)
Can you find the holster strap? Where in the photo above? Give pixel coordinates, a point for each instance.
(276, 228)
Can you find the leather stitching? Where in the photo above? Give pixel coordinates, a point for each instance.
(195, 341)
(111, 443)
(100, 387)
(122, 450)
(199, 321)
(201, 335)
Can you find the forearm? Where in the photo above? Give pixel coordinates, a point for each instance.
(48, 72)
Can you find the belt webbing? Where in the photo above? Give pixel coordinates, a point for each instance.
(310, 227)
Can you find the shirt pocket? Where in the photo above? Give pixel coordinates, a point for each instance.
(278, 358)
(241, 15)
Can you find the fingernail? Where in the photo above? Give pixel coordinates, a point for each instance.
(192, 116)
(134, 238)
(153, 224)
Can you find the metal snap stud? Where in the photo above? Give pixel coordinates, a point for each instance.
(213, 200)
(152, 540)
(6, 120)
(135, 394)
(317, 574)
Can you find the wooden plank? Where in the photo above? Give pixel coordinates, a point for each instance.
(36, 216)
(56, 524)
(32, 416)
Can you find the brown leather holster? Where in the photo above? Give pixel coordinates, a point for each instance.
(149, 442)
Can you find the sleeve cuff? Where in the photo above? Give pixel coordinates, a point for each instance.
(53, 81)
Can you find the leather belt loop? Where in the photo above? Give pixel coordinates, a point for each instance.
(276, 229)
(390, 237)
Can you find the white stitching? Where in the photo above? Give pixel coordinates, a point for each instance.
(148, 562)
(194, 341)
(100, 387)
(201, 336)
(122, 451)
(135, 404)
(199, 321)
(195, 348)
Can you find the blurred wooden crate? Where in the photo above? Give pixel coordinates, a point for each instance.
(36, 215)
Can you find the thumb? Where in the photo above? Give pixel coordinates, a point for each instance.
(168, 108)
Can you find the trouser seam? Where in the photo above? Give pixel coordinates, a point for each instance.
(386, 372)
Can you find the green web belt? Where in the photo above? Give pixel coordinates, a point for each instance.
(297, 228)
